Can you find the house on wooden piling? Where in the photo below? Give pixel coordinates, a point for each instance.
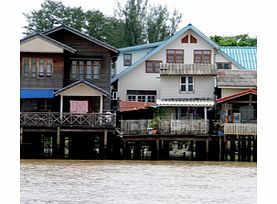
(236, 92)
(65, 92)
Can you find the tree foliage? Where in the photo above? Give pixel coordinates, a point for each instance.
(133, 23)
(238, 40)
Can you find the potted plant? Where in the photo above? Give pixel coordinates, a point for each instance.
(154, 124)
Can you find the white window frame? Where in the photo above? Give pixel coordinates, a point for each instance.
(187, 84)
(136, 98)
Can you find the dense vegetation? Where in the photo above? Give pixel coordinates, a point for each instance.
(134, 23)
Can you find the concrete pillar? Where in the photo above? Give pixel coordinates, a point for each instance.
(205, 113)
(61, 106)
(101, 104)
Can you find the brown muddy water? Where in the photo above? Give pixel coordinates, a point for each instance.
(124, 182)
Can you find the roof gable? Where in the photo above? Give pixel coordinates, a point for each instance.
(77, 32)
(163, 45)
(85, 85)
(41, 43)
(236, 95)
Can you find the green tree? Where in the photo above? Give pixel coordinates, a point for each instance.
(238, 40)
(159, 23)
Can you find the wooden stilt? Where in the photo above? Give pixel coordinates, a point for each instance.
(232, 150)
(207, 149)
(21, 135)
(243, 150)
(255, 151)
(58, 142)
(158, 148)
(105, 143)
(248, 150)
(220, 148)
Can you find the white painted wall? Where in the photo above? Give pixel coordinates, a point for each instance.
(136, 55)
(231, 91)
(221, 58)
(203, 87)
(137, 79)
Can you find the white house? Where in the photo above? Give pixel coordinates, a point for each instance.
(178, 73)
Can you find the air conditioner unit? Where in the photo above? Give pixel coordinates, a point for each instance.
(114, 95)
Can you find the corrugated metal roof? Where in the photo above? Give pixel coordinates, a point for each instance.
(246, 56)
(230, 97)
(178, 102)
(133, 105)
(139, 47)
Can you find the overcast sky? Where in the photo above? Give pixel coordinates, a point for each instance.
(214, 17)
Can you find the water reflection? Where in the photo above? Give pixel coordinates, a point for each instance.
(67, 181)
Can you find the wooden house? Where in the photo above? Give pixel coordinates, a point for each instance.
(65, 84)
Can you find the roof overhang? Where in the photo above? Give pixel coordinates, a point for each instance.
(236, 95)
(43, 44)
(125, 106)
(185, 102)
(82, 88)
(36, 93)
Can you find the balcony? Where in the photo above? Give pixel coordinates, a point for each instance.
(54, 119)
(187, 69)
(240, 129)
(166, 127)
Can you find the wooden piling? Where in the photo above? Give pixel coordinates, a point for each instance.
(232, 150)
(58, 143)
(239, 150)
(243, 150)
(207, 149)
(105, 143)
(248, 150)
(157, 148)
(255, 150)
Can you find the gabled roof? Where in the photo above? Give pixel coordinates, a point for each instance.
(77, 32)
(105, 93)
(246, 56)
(140, 47)
(50, 40)
(236, 95)
(164, 44)
(236, 78)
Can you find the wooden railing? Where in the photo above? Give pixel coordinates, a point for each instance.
(187, 69)
(240, 128)
(175, 127)
(54, 119)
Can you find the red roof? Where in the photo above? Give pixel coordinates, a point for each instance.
(133, 105)
(230, 97)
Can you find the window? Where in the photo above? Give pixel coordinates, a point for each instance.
(37, 67)
(187, 84)
(153, 66)
(96, 70)
(223, 65)
(49, 67)
(41, 68)
(174, 56)
(26, 67)
(85, 69)
(202, 56)
(127, 59)
(141, 95)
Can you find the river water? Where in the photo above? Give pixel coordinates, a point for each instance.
(131, 182)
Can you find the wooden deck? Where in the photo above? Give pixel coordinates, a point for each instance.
(54, 119)
(166, 127)
(240, 129)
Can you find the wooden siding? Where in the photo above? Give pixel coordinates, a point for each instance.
(53, 82)
(187, 69)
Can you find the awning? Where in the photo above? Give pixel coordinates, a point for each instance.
(36, 93)
(185, 102)
(133, 105)
(236, 95)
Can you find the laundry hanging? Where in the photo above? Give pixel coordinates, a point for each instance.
(79, 107)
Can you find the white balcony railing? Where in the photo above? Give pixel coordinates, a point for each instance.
(240, 129)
